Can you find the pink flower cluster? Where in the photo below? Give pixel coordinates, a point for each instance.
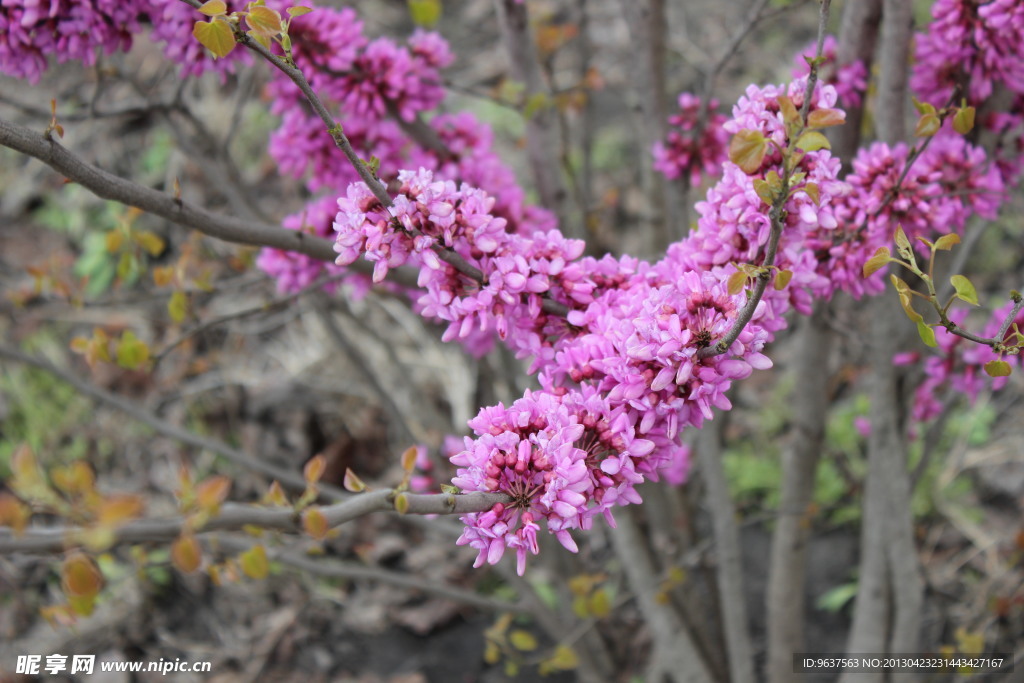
(32, 30)
(734, 225)
(683, 153)
(951, 181)
(378, 86)
(974, 42)
(430, 214)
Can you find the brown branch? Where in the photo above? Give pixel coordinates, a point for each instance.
(236, 516)
(109, 186)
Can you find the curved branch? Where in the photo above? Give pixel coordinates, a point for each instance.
(109, 186)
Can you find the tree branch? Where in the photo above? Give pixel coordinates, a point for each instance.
(236, 516)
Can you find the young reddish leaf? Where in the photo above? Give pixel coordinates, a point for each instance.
(747, 150)
(946, 242)
(214, 8)
(264, 21)
(80, 577)
(76, 479)
(177, 306)
(254, 562)
(964, 289)
(401, 503)
(963, 120)
(28, 480)
(927, 126)
(736, 282)
(425, 13)
(116, 510)
(211, 492)
(927, 334)
(314, 523)
(13, 513)
(352, 482)
(877, 262)
(216, 36)
(186, 553)
(163, 275)
(825, 118)
(790, 115)
(314, 469)
(409, 458)
(782, 279)
(997, 368)
(298, 11)
(812, 141)
(275, 495)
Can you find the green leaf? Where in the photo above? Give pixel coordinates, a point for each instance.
(149, 241)
(562, 659)
(523, 641)
(782, 279)
(813, 192)
(425, 13)
(997, 368)
(923, 107)
(928, 125)
(903, 244)
(263, 21)
(402, 503)
(836, 598)
(736, 281)
(177, 307)
(535, 103)
(747, 150)
(812, 141)
(877, 262)
(214, 8)
(254, 562)
(216, 36)
(132, 353)
(298, 11)
(600, 603)
(764, 191)
(927, 334)
(963, 120)
(964, 289)
(946, 242)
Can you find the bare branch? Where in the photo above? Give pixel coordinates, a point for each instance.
(236, 516)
